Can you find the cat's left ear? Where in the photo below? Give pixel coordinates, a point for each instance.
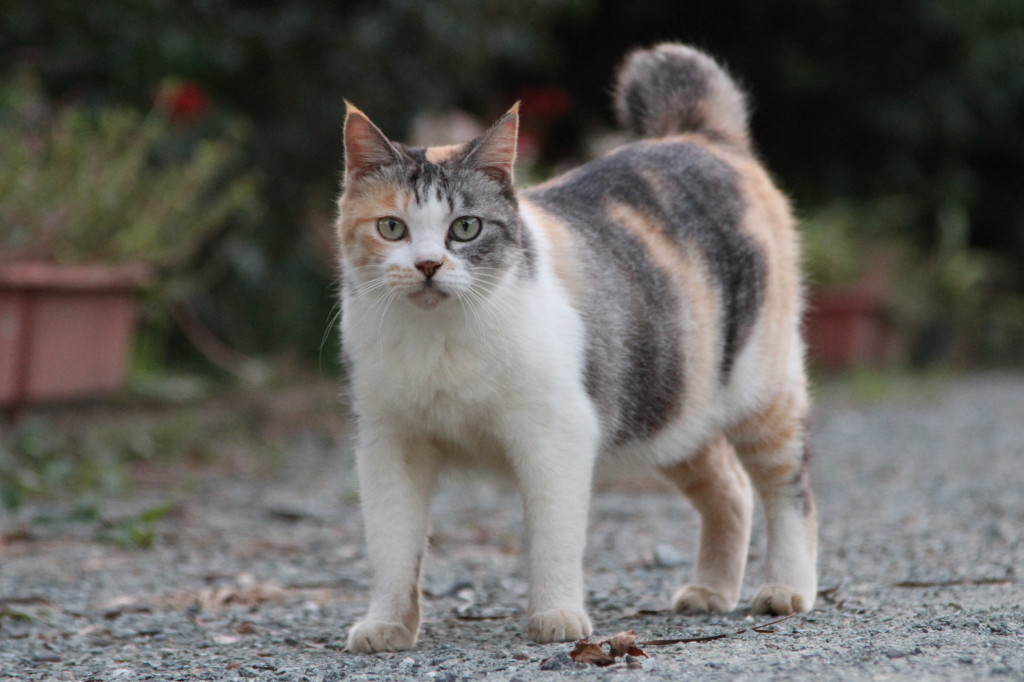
(495, 152)
(366, 147)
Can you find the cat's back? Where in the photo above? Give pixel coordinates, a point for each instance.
(679, 252)
(682, 188)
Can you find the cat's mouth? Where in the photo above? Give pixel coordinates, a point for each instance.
(427, 296)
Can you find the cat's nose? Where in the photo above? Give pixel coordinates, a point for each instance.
(428, 267)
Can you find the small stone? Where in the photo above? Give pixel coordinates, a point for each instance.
(667, 556)
(459, 588)
(446, 676)
(331, 676)
(560, 661)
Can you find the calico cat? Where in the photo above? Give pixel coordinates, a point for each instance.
(645, 306)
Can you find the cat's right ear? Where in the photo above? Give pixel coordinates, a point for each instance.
(366, 147)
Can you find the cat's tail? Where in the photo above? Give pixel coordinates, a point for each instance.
(672, 89)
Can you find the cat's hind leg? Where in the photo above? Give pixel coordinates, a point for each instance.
(772, 446)
(719, 489)
(396, 481)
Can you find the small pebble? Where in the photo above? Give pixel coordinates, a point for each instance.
(667, 556)
(445, 676)
(560, 661)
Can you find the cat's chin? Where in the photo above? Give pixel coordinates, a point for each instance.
(427, 298)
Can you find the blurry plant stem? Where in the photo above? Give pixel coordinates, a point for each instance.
(216, 351)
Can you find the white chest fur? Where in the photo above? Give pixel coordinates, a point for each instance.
(467, 367)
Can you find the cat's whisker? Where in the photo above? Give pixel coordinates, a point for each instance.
(469, 309)
(332, 318)
(389, 298)
(497, 312)
(370, 286)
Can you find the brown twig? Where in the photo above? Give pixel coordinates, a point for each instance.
(624, 645)
(211, 347)
(711, 638)
(956, 582)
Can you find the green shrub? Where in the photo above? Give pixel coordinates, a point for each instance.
(111, 185)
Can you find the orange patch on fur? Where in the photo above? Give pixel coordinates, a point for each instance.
(772, 428)
(700, 304)
(357, 222)
(769, 222)
(703, 472)
(560, 242)
(442, 154)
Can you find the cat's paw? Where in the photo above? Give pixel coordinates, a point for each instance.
(700, 599)
(370, 636)
(559, 625)
(781, 600)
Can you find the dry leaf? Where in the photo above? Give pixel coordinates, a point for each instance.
(619, 645)
(624, 643)
(591, 654)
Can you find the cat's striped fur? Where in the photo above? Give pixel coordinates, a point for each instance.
(645, 306)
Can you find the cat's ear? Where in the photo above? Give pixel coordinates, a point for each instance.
(366, 147)
(495, 152)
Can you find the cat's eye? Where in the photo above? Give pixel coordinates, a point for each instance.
(390, 228)
(465, 229)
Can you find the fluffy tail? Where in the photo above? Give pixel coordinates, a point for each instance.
(672, 89)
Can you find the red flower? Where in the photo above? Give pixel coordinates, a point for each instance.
(548, 103)
(184, 101)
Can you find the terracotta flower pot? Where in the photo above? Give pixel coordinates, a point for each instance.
(847, 329)
(65, 331)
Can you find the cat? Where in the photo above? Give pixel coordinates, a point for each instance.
(645, 306)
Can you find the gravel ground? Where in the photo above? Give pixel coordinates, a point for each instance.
(256, 576)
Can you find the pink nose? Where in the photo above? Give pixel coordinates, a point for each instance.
(428, 267)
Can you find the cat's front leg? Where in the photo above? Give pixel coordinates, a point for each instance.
(396, 482)
(554, 472)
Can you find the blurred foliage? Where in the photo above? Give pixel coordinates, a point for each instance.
(852, 100)
(287, 67)
(138, 531)
(860, 98)
(38, 460)
(110, 185)
(844, 241)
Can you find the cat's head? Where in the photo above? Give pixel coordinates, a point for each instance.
(429, 225)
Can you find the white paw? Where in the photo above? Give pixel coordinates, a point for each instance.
(370, 636)
(559, 625)
(780, 600)
(700, 599)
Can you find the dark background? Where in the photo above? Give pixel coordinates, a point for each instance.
(917, 104)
